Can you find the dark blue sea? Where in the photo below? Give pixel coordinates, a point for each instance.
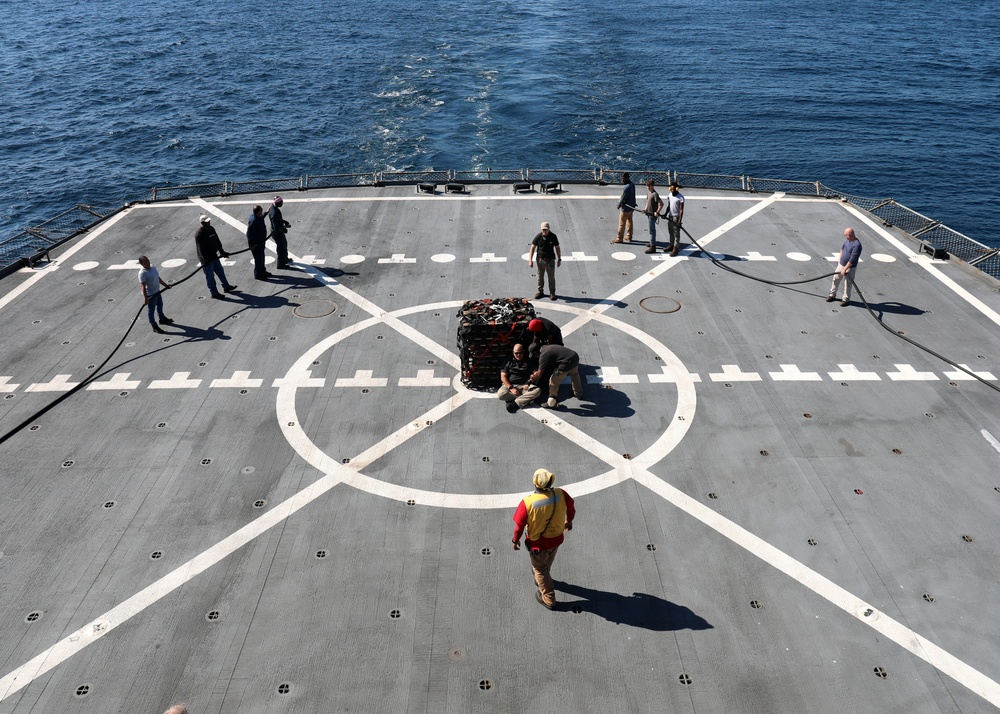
(102, 100)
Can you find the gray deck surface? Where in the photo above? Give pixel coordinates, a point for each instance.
(764, 548)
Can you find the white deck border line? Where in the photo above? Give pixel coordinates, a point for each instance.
(57, 263)
(906, 638)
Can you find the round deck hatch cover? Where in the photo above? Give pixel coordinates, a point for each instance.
(315, 308)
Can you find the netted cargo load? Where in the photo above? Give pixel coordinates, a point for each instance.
(488, 329)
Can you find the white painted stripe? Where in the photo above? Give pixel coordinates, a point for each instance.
(94, 630)
(120, 380)
(127, 265)
(848, 372)
(668, 377)
(397, 258)
(59, 383)
(579, 256)
(733, 373)
(362, 378)
(907, 373)
(791, 373)
(854, 606)
(611, 375)
(959, 376)
(54, 266)
(6, 386)
(754, 255)
(424, 378)
(990, 438)
(486, 258)
(239, 380)
(178, 381)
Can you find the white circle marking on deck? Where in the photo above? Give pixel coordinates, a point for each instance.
(353, 259)
(442, 257)
(883, 258)
(621, 470)
(801, 257)
(173, 263)
(623, 256)
(86, 265)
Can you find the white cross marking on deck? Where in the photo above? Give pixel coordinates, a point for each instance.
(178, 381)
(486, 258)
(6, 386)
(425, 378)
(59, 383)
(907, 373)
(791, 373)
(903, 636)
(311, 260)
(733, 373)
(239, 380)
(848, 372)
(960, 376)
(754, 255)
(226, 262)
(127, 265)
(668, 377)
(361, 378)
(120, 380)
(299, 380)
(578, 256)
(611, 375)
(397, 258)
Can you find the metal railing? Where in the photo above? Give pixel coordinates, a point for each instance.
(31, 245)
(27, 247)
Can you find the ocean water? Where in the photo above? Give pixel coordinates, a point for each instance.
(102, 100)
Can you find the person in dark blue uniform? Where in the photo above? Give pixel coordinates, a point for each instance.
(279, 227)
(256, 238)
(210, 252)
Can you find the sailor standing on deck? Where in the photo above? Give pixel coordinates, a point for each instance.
(674, 216)
(256, 237)
(150, 282)
(549, 257)
(279, 227)
(850, 254)
(626, 204)
(652, 210)
(542, 517)
(209, 247)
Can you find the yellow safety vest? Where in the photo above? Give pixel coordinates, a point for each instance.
(546, 514)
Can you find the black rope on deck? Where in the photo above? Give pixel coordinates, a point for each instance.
(97, 371)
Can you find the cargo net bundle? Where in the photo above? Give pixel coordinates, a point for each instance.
(487, 332)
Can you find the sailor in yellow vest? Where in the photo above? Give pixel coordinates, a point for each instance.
(544, 514)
